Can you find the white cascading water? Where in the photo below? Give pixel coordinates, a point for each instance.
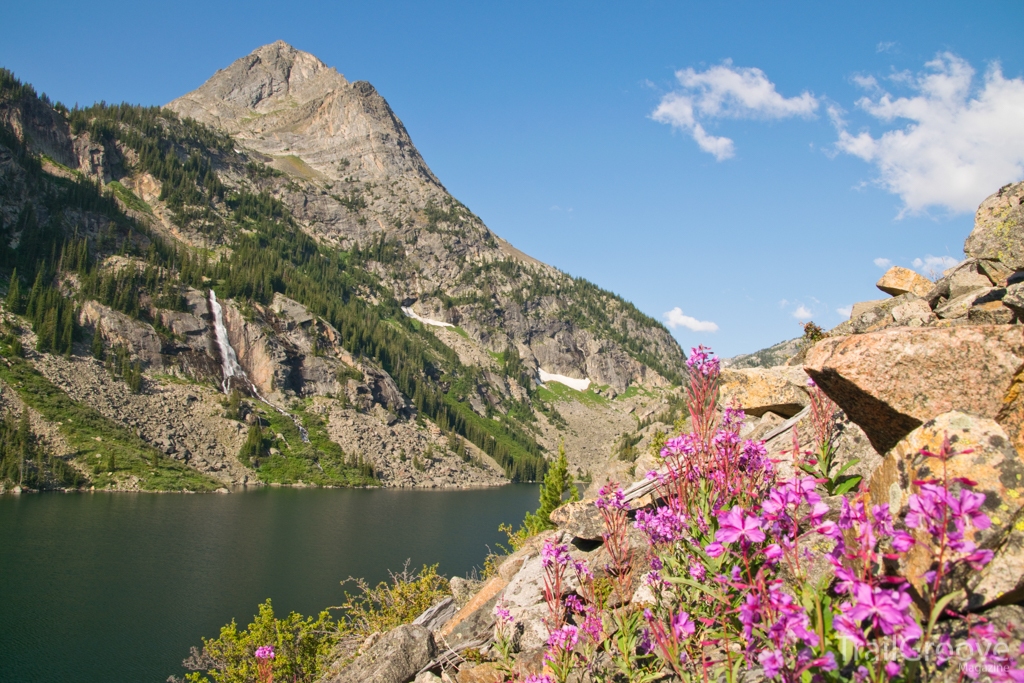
(229, 361)
(230, 367)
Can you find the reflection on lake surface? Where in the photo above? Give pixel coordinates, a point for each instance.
(117, 587)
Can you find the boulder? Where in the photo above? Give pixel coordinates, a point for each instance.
(916, 312)
(959, 306)
(889, 382)
(1014, 298)
(991, 313)
(965, 278)
(781, 390)
(998, 472)
(862, 307)
(487, 672)
(763, 426)
(871, 318)
(463, 589)
(850, 440)
(395, 658)
(999, 274)
(998, 232)
(581, 519)
(524, 596)
(899, 280)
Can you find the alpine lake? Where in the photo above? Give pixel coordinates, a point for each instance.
(119, 586)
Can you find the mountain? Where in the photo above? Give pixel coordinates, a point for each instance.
(355, 178)
(276, 235)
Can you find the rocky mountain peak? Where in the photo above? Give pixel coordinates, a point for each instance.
(307, 117)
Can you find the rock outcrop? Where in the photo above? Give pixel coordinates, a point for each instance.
(891, 381)
(999, 229)
(780, 390)
(395, 658)
(899, 280)
(984, 455)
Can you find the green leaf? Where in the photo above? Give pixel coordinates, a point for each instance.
(847, 485)
(939, 606)
(847, 466)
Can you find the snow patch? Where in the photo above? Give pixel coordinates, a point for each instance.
(426, 321)
(577, 384)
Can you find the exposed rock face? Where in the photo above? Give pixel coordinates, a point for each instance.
(891, 381)
(117, 329)
(781, 390)
(288, 104)
(999, 472)
(394, 658)
(899, 280)
(999, 228)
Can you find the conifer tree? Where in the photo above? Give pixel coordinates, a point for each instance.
(13, 302)
(557, 482)
(98, 350)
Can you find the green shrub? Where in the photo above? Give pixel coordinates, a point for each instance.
(387, 605)
(301, 649)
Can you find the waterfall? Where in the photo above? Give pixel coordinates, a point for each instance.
(230, 367)
(229, 360)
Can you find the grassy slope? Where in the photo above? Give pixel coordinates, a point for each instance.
(91, 435)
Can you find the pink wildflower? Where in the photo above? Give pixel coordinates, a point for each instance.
(737, 526)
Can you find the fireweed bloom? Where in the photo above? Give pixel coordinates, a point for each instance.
(682, 626)
(554, 554)
(661, 525)
(574, 604)
(611, 499)
(737, 526)
(502, 615)
(703, 361)
(265, 652)
(562, 642)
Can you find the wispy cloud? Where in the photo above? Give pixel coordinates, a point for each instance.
(932, 266)
(802, 313)
(676, 319)
(845, 311)
(726, 91)
(956, 141)
(886, 46)
(883, 262)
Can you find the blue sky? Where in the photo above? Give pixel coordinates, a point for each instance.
(745, 162)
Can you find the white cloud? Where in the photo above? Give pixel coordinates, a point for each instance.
(958, 142)
(845, 311)
(725, 91)
(676, 319)
(932, 266)
(883, 263)
(885, 46)
(802, 313)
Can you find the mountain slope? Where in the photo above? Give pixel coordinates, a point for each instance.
(116, 222)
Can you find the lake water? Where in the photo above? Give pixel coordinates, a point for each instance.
(117, 587)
